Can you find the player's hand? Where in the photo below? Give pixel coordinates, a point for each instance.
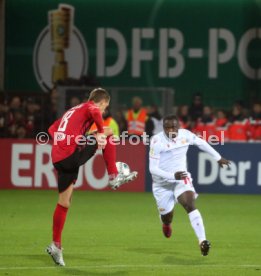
(101, 140)
(180, 175)
(223, 161)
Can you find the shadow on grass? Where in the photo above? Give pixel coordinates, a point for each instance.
(187, 260)
(172, 257)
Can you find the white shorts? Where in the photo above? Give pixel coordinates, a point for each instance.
(166, 194)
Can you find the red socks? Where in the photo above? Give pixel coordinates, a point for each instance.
(59, 218)
(109, 155)
(167, 230)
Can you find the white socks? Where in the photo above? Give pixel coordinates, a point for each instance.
(197, 224)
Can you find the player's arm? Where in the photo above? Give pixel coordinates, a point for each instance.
(100, 135)
(154, 156)
(204, 146)
(54, 127)
(97, 117)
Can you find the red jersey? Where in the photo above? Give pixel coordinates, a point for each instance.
(221, 129)
(238, 131)
(74, 123)
(255, 129)
(205, 129)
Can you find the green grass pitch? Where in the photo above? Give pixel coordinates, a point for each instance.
(114, 233)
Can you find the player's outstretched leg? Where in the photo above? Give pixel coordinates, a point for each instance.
(199, 229)
(120, 179)
(166, 224)
(115, 179)
(187, 200)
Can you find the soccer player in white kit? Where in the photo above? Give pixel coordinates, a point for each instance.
(172, 183)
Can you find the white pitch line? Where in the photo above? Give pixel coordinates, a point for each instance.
(129, 266)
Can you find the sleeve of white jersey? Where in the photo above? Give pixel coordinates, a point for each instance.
(203, 145)
(154, 156)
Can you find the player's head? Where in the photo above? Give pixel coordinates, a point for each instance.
(101, 97)
(171, 125)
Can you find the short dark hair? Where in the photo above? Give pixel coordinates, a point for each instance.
(170, 117)
(99, 94)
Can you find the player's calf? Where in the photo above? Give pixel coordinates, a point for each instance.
(167, 218)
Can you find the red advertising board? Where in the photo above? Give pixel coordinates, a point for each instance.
(26, 165)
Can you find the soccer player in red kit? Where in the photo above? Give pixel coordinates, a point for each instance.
(68, 155)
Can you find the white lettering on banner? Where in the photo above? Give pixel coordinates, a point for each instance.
(259, 174)
(243, 166)
(215, 57)
(90, 177)
(17, 164)
(163, 53)
(175, 54)
(118, 66)
(137, 54)
(42, 168)
(235, 174)
(250, 72)
(228, 174)
(204, 179)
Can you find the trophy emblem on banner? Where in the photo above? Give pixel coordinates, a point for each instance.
(60, 51)
(61, 22)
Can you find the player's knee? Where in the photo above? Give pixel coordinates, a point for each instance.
(189, 206)
(167, 219)
(65, 202)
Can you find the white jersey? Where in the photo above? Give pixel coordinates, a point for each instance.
(168, 156)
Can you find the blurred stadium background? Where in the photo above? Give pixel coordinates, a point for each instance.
(199, 59)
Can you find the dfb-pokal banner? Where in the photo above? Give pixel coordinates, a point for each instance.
(243, 176)
(24, 164)
(27, 165)
(189, 45)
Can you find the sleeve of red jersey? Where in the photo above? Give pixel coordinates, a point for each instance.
(97, 117)
(54, 127)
